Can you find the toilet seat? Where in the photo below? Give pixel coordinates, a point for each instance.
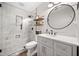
(31, 44)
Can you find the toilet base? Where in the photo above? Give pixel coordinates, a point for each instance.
(31, 47)
(31, 52)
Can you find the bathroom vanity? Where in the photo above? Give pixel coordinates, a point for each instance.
(58, 18)
(49, 45)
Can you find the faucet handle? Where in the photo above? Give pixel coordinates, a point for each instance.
(51, 31)
(55, 33)
(46, 30)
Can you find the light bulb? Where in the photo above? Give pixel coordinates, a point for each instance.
(50, 4)
(56, 2)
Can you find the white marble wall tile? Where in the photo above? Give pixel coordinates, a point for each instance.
(10, 44)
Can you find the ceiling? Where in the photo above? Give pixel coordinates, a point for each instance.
(31, 6)
(41, 8)
(27, 6)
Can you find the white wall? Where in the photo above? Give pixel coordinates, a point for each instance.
(69, 31)
(78, 23)
(10, 44)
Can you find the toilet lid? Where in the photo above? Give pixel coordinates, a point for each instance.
(31, 44)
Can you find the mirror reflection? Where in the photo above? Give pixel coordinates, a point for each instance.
(61, 16)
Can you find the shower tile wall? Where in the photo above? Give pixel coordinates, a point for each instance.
(31, 31)
(10, 44)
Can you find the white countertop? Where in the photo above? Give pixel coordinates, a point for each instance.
(66, 39)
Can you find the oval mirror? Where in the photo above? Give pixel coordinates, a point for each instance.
(61, 16)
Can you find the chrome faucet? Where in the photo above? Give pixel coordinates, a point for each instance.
(51, 32)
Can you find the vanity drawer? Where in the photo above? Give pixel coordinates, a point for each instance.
(48, 42)
(63, 48)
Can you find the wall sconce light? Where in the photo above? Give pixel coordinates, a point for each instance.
(51, 4)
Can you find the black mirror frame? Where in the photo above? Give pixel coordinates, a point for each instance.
(64, 26)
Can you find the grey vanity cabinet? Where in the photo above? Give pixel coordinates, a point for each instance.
(61, 49)
(52, 47)
(44, 47)
(43, 50)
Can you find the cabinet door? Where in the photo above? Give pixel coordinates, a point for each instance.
(48, 42)
(61, 49)
(43, 50)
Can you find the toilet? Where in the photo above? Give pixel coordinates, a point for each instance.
(31, 48)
